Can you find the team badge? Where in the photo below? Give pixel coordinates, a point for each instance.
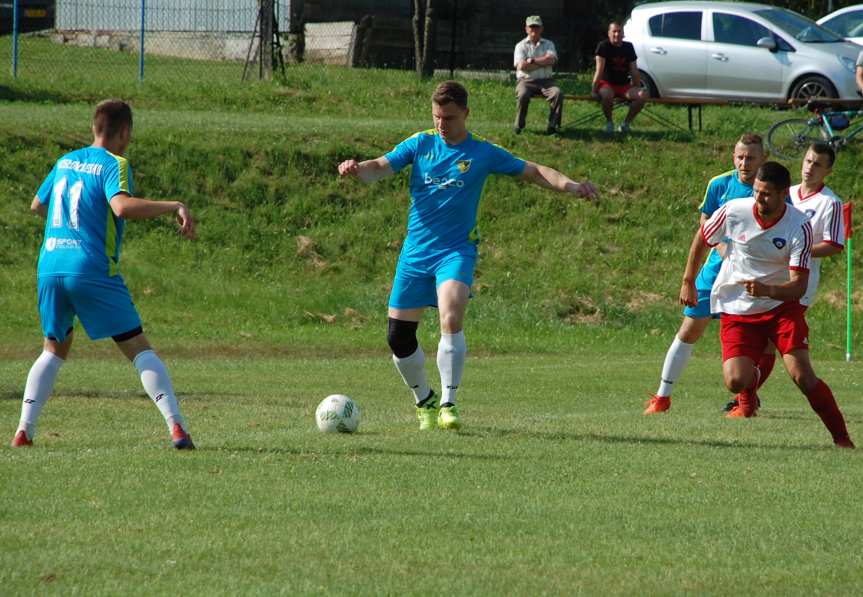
(810, 213)
(464, 165)
(779, 242)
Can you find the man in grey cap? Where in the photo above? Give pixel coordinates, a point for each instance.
(533, 60)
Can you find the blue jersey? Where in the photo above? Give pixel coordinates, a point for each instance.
(720, 190)
(446, 184)
(82, 234)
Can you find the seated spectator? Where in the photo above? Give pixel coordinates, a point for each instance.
(533, 60)
(617, 76)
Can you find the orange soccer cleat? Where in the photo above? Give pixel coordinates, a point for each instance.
(181, 439)
(657, 404)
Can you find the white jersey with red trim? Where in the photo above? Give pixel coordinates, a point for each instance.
(758, 252)
(824, 210)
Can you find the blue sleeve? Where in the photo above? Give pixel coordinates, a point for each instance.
(404, 153)
(47, 187)
(711, 197)
(503, 162)
(117, 178)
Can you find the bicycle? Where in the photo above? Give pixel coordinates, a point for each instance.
(789, 139)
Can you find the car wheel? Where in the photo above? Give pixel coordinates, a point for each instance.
(812, 86)
(648, 85)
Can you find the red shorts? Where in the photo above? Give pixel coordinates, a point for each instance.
(619, 90)
(747, 335)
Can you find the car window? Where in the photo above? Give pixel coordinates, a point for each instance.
(679, 25)
(733, 29)
(798, 26)
(848, 24)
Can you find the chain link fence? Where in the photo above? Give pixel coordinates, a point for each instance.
(220, 41)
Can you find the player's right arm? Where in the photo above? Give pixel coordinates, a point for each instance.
(367, 171)
(708, 234)
(134, 208)
(39, 208)
(597, 75)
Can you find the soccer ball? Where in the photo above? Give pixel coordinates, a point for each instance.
(337, 414)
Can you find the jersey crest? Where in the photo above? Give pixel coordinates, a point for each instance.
(464, 165)
(779, 242)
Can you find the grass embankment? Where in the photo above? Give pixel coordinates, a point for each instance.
(286, 247)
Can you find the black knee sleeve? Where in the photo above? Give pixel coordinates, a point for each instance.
(402, 337)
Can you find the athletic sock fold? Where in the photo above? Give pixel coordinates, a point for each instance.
(765, 364)
(451, 355)
(40, 384)
(676, 360)
(824, 404)
(413, 371)
(157, 384)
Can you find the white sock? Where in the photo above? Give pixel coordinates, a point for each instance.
(675, 362)
(157, 384)
(413, 371)
(40, 383)
(451, 353)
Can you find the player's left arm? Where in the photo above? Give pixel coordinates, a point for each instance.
(39, 208)
(134, 208)
(826, 249)
(550, 178)
(833, 224)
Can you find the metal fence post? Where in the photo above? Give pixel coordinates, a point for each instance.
(141, 45)
(266, 47)
(14, 39)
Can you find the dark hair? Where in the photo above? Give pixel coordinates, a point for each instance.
(774, 173)
(111, 117)
(613, 23)
(751, 139)
(822, 148)
(450, 92)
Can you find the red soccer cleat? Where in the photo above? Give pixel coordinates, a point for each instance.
(844, 442)
(181, 439)
(21, 440)
(657, 404)
(739, 412)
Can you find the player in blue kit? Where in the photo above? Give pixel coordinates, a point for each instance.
(748, 156)
(436, 265)
(86, 199)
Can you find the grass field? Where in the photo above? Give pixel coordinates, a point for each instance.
(557, 483)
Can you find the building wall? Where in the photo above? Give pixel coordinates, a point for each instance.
(161, 15)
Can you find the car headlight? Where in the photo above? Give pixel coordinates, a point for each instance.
(849, 64)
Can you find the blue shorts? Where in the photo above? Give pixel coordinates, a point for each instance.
(703, 284)
(103, 305)
(415, 284)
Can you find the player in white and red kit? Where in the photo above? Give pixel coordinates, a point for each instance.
(758, 293)
(823, 208)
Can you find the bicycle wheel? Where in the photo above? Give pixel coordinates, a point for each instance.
(790, 138)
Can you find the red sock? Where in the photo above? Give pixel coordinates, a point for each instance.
(822, 402)
(765, 363)
(747, 399)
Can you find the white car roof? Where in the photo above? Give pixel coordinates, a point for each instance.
(836, 13)
(692, 5)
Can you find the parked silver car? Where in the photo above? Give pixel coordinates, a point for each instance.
(738, 51)
(847, 22)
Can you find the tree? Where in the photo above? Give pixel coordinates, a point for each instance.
(423, 25)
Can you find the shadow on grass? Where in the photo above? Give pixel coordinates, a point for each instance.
(355, 451)
(10, 94)
(599, 134)
(634, 440)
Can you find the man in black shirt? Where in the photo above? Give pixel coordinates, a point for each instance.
(617, 76)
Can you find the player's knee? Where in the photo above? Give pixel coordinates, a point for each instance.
(737, 381)
(451, 323)
(402, 337)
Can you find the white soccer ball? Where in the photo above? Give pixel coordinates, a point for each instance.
(337, 414)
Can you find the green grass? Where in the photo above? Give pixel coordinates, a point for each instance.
(557, 484)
